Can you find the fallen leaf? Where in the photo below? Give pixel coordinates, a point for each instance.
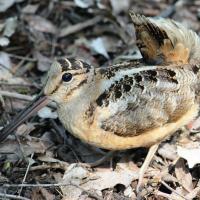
(183, 175)
(4, 41)
(5, 66)
(5, 4)
(97, 181)
(98, 46)
(30, 9)
(84, 3)
(168, 151)
(119, 6)
(10, 26)
(191, 155)
(44, 62)
(40, 24)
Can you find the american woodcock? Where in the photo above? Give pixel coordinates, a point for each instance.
(131, 104)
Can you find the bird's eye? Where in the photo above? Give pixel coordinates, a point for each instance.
(66, 77)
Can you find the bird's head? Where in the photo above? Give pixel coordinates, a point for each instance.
(65, 81)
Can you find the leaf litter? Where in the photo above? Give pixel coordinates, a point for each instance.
(32, 35)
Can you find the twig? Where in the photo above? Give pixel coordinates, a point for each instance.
(146, 164)
(27, 170)
(22, 57)
(44, 167)
(91, 194)
(20, 85)
(11, 196)
(16, 95)
(36, 185)
(168, 196)
(21, 97)
(78, 27)
(171, 189)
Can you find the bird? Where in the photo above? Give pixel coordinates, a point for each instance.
(136, 103)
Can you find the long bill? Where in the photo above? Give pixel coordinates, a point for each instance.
(32, 108)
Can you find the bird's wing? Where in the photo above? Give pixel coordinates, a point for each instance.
(151, 98)
(164, 41)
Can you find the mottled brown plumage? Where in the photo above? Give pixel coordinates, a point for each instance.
(136, 103)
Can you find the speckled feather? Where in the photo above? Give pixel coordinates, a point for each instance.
(136, 103)
(164, 41)
(149, 99)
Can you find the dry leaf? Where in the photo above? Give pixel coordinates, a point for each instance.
(191, 155)
(40, 24)
(84, 3)
(4, 41)
(97, 181)
(10, 26)
(5, 4)
(119, 6)
(168, 151)
(183, 175)
(5, 66)
(44, 62)
(30, 9)
(98, 46)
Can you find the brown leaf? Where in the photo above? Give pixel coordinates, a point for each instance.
(183, 175)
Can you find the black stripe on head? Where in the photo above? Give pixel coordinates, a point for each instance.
(73, 64)
(65, 64)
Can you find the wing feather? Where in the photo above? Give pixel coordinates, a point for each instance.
(148, 99)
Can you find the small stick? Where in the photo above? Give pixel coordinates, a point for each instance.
(171, 189)
(22, 57)
(145, 165)
(21, 97)
(11, 196)
(26, 173)
(16, 95)
(78, 27)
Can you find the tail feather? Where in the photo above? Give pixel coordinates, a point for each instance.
(164, 41)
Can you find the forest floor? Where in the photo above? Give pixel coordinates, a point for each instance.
(42, 160)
